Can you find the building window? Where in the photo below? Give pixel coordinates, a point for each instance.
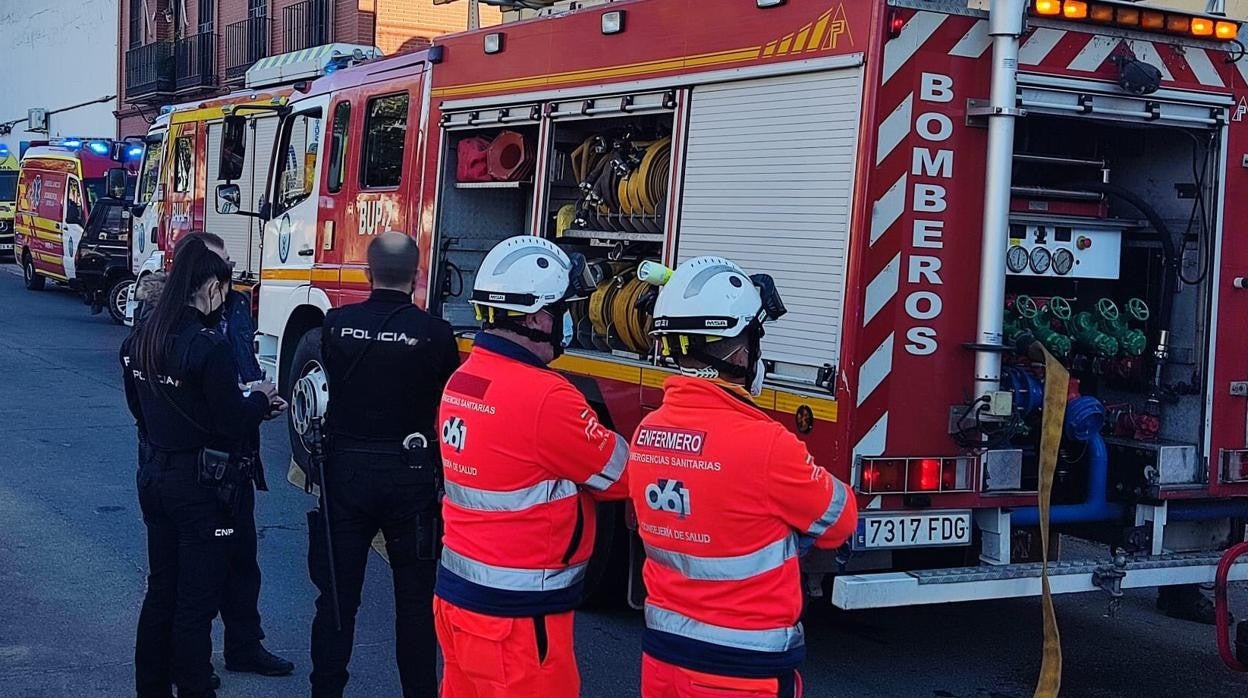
(207, 16)
(385, 133)
(136, 23)
(183, 163)
(257, 8)
(338, 146)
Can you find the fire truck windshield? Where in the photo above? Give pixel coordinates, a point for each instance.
(8, 186)
(149, 172)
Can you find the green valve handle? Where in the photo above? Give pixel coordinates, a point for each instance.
(1026, 307)
(1059, 308)
(1138, 310)
(1132, 342)
(1107, 309)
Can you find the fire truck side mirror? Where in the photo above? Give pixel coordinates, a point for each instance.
(229, 198)
(233, 148)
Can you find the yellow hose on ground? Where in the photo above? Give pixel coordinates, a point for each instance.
(1056, 391)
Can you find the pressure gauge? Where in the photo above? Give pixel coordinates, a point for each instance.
(1041, 260)
(1063, 261)
(1016, 259)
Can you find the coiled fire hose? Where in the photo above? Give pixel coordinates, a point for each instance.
(623, 184)
(1056, 393)
(1221, 610)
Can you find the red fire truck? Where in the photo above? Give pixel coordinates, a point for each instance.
(929, 183)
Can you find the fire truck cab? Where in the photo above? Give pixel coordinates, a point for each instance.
(934, 187)
(184, 156)
(57, 184)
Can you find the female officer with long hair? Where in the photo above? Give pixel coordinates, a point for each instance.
(181, 382)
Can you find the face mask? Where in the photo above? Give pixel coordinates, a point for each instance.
(559, 339)
(214, 316)
(756, 383)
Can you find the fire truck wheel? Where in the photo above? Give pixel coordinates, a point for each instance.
(307, 359)
(117, 300)
(606, 580)
(32, 279)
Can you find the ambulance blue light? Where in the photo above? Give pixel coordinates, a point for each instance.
(71, 144)
(134, 151)
(98, 148)
(4, 150)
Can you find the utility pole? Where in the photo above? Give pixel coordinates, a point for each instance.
(474, 14)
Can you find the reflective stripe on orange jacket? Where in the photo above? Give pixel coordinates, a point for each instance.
(524, 459)
(722, 494)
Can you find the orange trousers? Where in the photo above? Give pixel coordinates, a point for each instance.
(662, 680)
(491, 657)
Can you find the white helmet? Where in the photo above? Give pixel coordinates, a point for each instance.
(708, 299)
(523, 274)
(707, 296)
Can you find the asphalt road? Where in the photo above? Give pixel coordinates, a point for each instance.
(72, 570)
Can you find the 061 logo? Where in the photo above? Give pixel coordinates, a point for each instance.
(455, 433)
(669, 495)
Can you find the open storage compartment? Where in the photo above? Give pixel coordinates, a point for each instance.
(487, 168)
(609, 176)
(604, 179)
(1101, 204)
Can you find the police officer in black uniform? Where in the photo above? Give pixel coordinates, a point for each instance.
(181, 383)
(386, 363)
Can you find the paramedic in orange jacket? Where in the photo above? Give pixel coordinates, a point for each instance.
(525, 460)
(725, 499)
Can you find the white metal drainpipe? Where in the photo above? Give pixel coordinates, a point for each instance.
(1005, 25)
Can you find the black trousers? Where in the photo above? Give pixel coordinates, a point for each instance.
(368, 493)
(188, 535)
(240, 605)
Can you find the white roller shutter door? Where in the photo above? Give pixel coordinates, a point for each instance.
(234, 229)
(260, 154)
(769, 179)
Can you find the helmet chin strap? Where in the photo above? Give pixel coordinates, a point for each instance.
(717, 367)
(551, 338)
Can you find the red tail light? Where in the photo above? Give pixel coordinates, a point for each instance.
(908, 475)
(924, 475)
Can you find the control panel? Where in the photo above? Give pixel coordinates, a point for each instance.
(1076, 249)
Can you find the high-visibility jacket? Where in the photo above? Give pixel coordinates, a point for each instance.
(723, 493)
(524, 458)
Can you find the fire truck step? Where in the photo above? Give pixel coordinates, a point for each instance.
(953, 585)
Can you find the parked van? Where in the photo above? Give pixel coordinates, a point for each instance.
(57, 185)
(8, 195)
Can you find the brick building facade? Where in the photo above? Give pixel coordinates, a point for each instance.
(173, 51)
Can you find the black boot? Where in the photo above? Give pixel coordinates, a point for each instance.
(215, 681)
(258, 660)
(1186, 602)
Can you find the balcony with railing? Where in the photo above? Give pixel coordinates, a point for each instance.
(245, 43)
(150, 72)
(196, 62)
(306, 24)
